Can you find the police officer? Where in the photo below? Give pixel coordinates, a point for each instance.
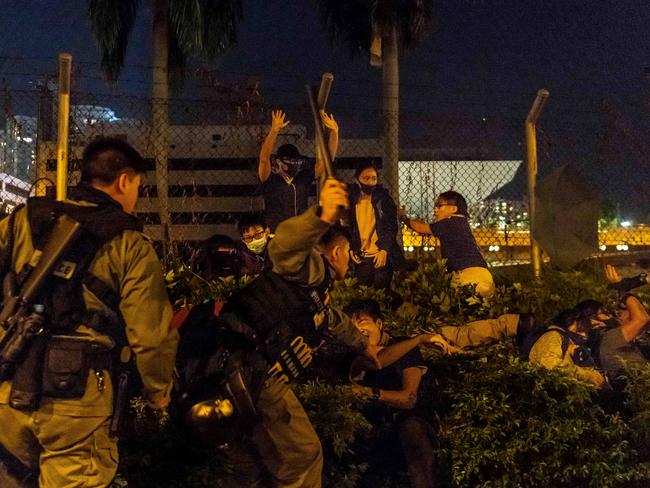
(68, 439)
(288, 308)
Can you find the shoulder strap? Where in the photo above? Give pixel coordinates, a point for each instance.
(7, 257)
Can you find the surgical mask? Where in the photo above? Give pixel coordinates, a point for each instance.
(367, 189)
(257, 245)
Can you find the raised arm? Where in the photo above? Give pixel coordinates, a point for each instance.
(332, 143)
(293, 249)
(277, 124)
(637, 321)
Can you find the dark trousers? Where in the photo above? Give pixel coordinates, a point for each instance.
(367, 275)
(418, 440)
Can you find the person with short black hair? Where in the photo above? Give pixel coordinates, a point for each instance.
(286, 312)
(255, 236)
(457, 243)
(397, 390)
(288, 177)
(113, 300)
(374, 225)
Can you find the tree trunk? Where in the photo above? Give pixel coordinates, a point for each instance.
(160, 111)
(390, 113)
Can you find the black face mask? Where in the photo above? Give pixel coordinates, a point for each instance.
(367, 189)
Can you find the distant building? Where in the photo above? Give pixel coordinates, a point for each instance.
(18, 149)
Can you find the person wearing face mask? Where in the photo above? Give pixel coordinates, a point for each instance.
(288, 177)
(255, 236)
(457, 243)
(374, 225)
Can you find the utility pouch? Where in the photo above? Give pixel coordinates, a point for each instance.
(67, 365)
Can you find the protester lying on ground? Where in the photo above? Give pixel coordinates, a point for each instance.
(255, 237)
(374, 227)
(457, 243)
(398, 390)
(288, 176)
(563, 345)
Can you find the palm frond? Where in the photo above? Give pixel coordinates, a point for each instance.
(351, 21)
(111, 22)
(414, 19)
(348, 22)
(205, 27)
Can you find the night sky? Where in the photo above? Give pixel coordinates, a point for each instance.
(507, 48)
(482, 59)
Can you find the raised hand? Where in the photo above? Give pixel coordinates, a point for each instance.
(612, 274)
(328, 121)
(277, 120)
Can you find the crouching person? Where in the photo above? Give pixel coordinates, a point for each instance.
(396, 390)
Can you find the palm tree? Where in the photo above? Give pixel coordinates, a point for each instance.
(181, 28)
(381, 27)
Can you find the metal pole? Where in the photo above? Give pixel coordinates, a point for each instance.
(65, 65)
(531, 153)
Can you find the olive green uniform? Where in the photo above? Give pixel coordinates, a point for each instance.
(285, 438)
(68, 439)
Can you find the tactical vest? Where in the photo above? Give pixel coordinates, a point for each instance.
(65, 307)
(285, 320)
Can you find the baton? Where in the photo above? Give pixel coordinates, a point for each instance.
(324, 90)
(320, 138)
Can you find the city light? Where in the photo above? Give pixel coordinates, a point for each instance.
(603, 247)
(626, 223)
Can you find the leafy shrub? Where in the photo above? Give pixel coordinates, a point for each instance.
(504, 423)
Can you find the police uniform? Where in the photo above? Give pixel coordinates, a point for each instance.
(68, 439)
(288, 308)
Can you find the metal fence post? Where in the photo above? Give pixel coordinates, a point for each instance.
(531, 157)
(65, 65)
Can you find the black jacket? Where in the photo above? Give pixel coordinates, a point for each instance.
(387, 224)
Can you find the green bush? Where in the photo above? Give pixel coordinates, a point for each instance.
(504, 422)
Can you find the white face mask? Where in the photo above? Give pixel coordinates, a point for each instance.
(257, 245)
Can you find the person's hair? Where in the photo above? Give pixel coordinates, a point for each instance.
(455, 198)
(581, 314)
(251, 220)
(218, 240)
(288, 151)
(364, 165)
(564, 318)
(334, 236)
(365, 306)
(104, 159)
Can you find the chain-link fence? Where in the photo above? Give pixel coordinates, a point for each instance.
(203, 165)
